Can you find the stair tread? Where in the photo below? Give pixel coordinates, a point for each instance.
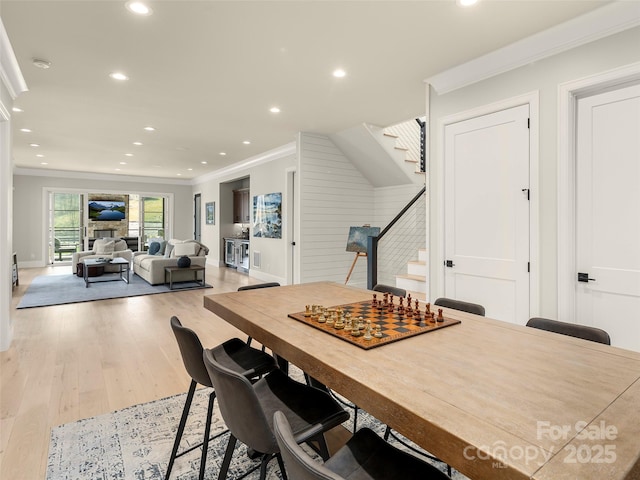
(408, 276)
(417, 262)
(410, 160)
(386, 134)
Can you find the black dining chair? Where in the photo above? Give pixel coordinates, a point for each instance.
(248, 410)
(460, 305)
(235, 354)
(395, 291)
(365, 456)
(571, 329)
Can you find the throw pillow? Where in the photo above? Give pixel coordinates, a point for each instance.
(181, 249)
(154, 248)
(167, 251)
(105, 247)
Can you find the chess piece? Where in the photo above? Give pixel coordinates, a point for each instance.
(378, 333)
(307, 311)
(427, 309)
(385, 299)
(440, 317)
(322, 318)
(367, 331)
(360, 323)
(332, 317)
(374, 302)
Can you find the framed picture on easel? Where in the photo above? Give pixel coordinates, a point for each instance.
(357, 242)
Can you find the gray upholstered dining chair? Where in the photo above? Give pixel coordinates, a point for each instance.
(571, 329)
(365, 456)
(234, 354)
(460, 305)
(248, 410)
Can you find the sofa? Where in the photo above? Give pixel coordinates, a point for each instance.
(104, 248)
(150, 265)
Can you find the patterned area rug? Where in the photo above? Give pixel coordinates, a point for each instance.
(47, 290)
(135, 443)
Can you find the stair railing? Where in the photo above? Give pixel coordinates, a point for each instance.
(423, 144)
(373, 242)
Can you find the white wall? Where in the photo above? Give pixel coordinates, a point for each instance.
(543, 76)
(30, 233)
(333, 197)
(262, 174)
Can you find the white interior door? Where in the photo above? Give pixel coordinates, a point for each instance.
(608, 214)
(487, 213)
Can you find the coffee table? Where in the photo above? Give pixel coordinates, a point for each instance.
(192, 268)
(122, 273)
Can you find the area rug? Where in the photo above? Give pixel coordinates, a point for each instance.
(135, 443)
(47, 290)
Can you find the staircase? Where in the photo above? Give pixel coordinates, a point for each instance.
(380, 155)
(415, 280)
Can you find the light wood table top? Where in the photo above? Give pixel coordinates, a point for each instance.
(492, 399)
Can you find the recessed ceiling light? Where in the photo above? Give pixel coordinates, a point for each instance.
(247, 142)
(17, 109)
(138, 8)
(44, 163)
(34, 144)
(274, 110)
(223, 153)
(39, 155)
(118, 76)
(137, 143)
(25, 130)
(128, 154)
(117, 169)
(40, 63)
(203, 162)
(339, 73)
(123, 163)
(190, 169)
(466, 3)
(150, 129)
(179, 174)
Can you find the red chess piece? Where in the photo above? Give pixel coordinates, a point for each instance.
(440, 317)
(374, 302)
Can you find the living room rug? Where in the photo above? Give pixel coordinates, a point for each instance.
(47, 290)
(135, 443)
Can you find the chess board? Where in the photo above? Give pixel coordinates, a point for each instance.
(394, 326)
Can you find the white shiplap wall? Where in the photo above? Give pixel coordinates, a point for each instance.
(333, 196)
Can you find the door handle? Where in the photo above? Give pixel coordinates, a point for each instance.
(584, 277)
(449, 263)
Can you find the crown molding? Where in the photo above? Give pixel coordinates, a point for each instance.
(268, 156)
(105, 177)
(10, 73)
(602, 22)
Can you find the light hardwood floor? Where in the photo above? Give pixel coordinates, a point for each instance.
(70, 362)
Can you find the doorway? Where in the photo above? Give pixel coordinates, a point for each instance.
(66, 222)
(486, 212)
(599, 205)
(197, 217)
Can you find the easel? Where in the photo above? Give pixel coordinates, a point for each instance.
(358, 255)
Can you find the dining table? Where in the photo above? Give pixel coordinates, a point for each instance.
(493, 399)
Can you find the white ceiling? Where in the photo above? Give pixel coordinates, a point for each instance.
(205, 73)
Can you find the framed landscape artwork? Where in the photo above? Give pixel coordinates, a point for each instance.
(358, 237)
(210, 213)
